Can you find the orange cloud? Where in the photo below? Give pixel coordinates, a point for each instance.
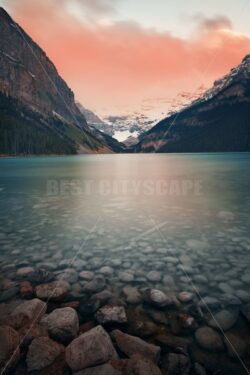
(122, 63)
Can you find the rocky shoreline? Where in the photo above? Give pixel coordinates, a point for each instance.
(82, 324)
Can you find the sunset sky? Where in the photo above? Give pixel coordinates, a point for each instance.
(115, 54)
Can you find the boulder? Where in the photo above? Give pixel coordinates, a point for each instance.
(28, 311)
(130, 345)
(132, 295)
(139, 365)
(105, 369)
(62, 324)
(26, 290)
(9, 347)
(92, 348)
(42, 352)
(111, 314)
(174, 364)
(209, 339)
(54, 291)
(40, 276)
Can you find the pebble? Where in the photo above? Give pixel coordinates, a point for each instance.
(209, 339)
(106, 270)
(225, 319)
(235, 345)
(185, 297)
(42, 352)
(243, 295)
(94, 286)
(158, 298)
(24, 271)
(111, 314)
(132, 295)
(173, 364)
(26, 289)
(154, 276)
(92, 348)
(62, 324)
(126, 277)
(86, 275)
(40, 276)
(54, 291)
(130, 345)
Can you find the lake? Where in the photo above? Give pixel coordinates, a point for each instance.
(173, 222)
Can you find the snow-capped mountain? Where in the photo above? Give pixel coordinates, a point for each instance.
(218, 121)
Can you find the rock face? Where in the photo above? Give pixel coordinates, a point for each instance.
(218, 121)
(131, 345)
(32, 89)
(209, 339)
(55, 291)
(111, 314)
(62, 324)
(90, 349)
(42, 353)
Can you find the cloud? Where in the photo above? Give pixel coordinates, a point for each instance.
(123, 62)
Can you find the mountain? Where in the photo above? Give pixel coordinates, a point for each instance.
(219, 121)
(38, 113)
(95, 121)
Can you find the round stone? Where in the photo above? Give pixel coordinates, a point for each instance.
(86, 275)
(209, 339)
(185, 297)
(224, 319)
(158, 298)
(42, 352)
(55, 291)
(154, 276)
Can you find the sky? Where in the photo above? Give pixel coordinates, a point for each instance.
(118, 54)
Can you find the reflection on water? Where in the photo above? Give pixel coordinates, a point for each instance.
(158, 220)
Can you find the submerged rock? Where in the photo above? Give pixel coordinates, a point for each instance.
(9, 347)
(26, 289)
(132, 295)
(24, 271)
(235, 345)
(158, 298)
(245, 310)
(209, 339)
(139, 365)
(154, 276)
(42, 352)
(90, 349)
(174, 364)
(94, 286)
(111, 314)
(105, 369)
(86, 275)
(40, 276)
(31, 311)
(185, 297)
(223, 319)
(62, 324)
(130, 345)
(55, 291)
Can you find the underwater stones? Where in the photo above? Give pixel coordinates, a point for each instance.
(223, 319)
(243, 295)
(246, 278)
(235, 345)
(32, 310)
(9, 346)
(62, 324)
(105, 369)
(173, 364)
(8, 294)
(24, 271)
(158, 298)
(211, 302)
(111, 314)
(55, 291)
(26, 289)
(94, 286)
(69, 275)
(106, 270)
(132, 295)
(42, 352)
(126, 276)
(130, 345)
(86, 275)
(225, 288)
(138, 365)
(92, 348)
(154, 276)
(245, 310)
(209, 339)
(185, 297)
(40, 276)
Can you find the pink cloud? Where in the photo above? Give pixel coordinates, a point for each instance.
(124, 62)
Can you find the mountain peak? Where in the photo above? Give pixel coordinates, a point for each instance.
(5, 15)
(246, 59)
